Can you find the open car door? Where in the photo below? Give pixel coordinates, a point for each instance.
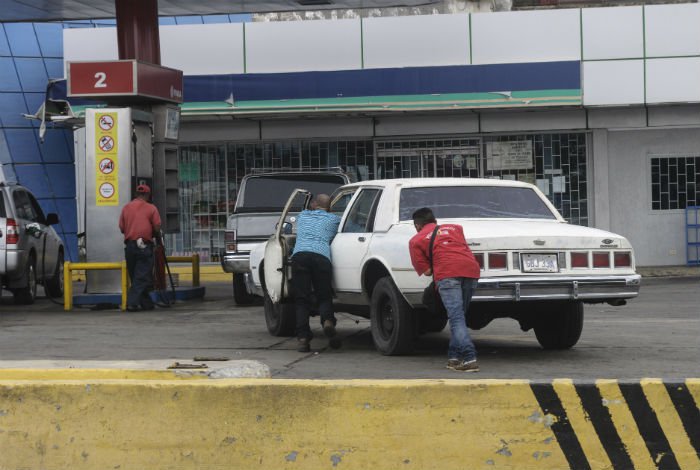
(277, 268)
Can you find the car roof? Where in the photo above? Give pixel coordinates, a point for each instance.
(432, 182)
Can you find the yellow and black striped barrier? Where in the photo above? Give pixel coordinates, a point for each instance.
(94, 421)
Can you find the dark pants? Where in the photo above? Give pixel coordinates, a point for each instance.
(139, 264)
(311, 278)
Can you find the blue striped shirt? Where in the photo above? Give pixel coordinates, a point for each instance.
(315, 232)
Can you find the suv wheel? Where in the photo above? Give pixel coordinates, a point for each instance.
(26, 295)
(54, 285)
(391, 319)
(280, 318)
(561, 329)
(240, 292)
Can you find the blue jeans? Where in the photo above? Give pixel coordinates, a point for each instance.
(456, 293)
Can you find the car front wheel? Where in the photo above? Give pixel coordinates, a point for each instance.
(391, 319)
(561, 329)
(280, 318)
(54, 286)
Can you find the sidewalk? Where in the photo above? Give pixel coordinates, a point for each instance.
(669, 271)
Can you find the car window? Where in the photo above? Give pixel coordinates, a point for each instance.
(270, 193)
(360, 218)
(3, 212)
(23, 206)
(341, 201)
(36, 208)
(474, 202)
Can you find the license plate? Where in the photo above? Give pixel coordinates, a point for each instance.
(540, 263)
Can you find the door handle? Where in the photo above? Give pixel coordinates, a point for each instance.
(360, 239)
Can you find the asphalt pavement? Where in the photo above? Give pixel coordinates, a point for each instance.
(656, 335)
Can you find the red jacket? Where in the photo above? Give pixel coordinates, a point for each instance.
(451, 254)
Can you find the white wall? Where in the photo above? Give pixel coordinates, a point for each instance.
(658, 237)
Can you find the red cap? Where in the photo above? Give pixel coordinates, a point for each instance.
(143, 188)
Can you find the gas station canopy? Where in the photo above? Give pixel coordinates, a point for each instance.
(57, 10)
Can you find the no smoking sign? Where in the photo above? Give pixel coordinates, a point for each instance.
(106, 122)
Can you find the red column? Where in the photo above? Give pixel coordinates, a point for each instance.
(137, 30)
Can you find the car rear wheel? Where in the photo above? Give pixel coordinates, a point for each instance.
(280, 318)
(240, 292)
(54, 286)
(391, 319)
(561, 329)
(26, 295)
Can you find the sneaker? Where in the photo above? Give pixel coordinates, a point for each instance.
(304, 345)
(463, 366)
(332, 335)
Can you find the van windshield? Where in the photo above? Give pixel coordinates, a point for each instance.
(475, 202)
(270, 193)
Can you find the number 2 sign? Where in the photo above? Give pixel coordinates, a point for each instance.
(101, 78)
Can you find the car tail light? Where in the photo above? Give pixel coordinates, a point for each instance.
(579, 259)
(623, 259)
(601, 259)
(230, 240)
(12, 232)
(498, 260)
(479, 259)
(561, 258)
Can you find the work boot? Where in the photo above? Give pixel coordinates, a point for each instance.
(332, 335)
(304, 345)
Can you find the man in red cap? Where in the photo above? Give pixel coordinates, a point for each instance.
(140, 223)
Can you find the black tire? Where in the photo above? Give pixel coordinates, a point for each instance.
(54, 285)
(27, 295)
(562, 329)
(240, 293)
(280, 318)
(391, 319)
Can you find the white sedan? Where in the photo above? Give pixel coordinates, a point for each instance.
(535, 267)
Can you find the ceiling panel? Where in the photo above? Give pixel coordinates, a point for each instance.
(52, 10)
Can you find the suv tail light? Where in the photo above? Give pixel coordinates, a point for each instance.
(479, 259)
(579, 259)
(623, 259)
(601, 259)
(498, 260)
(12, 232)
(230, 240)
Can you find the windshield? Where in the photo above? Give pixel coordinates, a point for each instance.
(474, 202)
(270, 193)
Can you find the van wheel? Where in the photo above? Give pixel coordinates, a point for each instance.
(54, 286)
(280, 318)
(391, 319)
(26, 295)
(240, 292)
(561, 329)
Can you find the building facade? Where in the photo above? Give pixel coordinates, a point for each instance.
(596, 106)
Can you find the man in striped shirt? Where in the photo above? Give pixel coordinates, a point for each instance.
(312, 270)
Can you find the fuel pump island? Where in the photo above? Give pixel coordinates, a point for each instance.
(130, 141)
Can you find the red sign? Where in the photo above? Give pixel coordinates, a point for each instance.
(124, 78)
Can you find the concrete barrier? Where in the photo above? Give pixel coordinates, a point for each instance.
(153, 423)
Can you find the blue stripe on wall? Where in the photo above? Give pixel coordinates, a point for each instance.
(382, 82)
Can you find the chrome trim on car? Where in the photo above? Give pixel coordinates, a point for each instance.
(236, 262)
(518, 289)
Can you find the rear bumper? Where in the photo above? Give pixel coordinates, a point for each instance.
(238, 262)
(521, 289)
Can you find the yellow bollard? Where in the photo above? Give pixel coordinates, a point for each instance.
(125, 285)
(195, 270)
(67, 286)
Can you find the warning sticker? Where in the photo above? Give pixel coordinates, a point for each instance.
(107, 168)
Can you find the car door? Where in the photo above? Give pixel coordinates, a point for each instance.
(47, 247)
(3, 234)
(276, 268)
(29, 230)
(350, 245)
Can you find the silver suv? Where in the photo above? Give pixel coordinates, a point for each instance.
(31, 252)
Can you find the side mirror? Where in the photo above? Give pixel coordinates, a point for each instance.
(52, 219)
(287, 228)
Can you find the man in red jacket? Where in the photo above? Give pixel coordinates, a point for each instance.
(456, 273)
